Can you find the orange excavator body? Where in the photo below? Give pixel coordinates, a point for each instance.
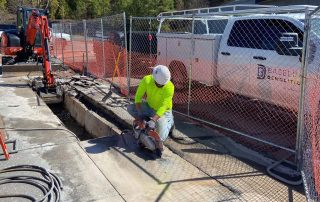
(24, 43)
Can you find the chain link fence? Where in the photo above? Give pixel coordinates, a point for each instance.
(240, 74)
(239, 78)
(96, 47)
(142, 47)
(236, 71)
(310, 125)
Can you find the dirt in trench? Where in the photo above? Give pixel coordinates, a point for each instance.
(69, 122)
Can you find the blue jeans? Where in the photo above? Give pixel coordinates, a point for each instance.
(163, 124)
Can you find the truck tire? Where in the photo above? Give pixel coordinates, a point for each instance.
(179, 75)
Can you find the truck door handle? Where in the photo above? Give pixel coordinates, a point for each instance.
(259, 58)
(225, 53)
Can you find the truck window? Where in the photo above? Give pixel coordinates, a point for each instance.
(176, 26)
(183, 26)
(217, 26)
(200, 27)
(261, 33)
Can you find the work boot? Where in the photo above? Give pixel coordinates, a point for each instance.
(172, 131)
(141, 145)
(173, 127)
(174, 134)
(158, 153)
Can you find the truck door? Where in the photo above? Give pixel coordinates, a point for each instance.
(234, 59)
(274, 72)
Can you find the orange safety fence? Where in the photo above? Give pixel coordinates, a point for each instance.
(315, 133)
(95, 47)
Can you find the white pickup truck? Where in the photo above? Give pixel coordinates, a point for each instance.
(257, 56)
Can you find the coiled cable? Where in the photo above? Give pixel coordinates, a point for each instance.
(50, 184)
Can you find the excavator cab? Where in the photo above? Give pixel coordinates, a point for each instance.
(14, 41)
(30, 43)
(23, 14)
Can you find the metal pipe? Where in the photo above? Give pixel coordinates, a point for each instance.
(190, 68)
(300, 123)
(305, 185)
(145, 18)
(55, 39)
(130, 56)
(103, 51)
(160, 25)
(315, 11)
(86, 46)
(62, 52)
(125, 50)
(150, 42)
(71, 38)
(283, 9)
(233, 7)
(40, 129)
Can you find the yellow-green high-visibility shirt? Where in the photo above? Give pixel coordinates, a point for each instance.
(159, 99)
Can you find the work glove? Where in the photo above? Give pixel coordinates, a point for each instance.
(151, 124)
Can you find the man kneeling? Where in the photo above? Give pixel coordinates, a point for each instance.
(158, 106)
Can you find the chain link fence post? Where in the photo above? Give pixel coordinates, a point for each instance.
(125, 51)
(54, 30)
(130, 57)
(103, 49)
(62, 43)
(85, 32)
(71, 38)
(300, 122)
(190, 65)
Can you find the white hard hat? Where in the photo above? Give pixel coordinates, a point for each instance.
(161, 74)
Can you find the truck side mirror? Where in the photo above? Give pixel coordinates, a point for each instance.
(288, 45)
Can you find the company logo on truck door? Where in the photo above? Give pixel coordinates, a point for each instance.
(279, 74)
(261, 72)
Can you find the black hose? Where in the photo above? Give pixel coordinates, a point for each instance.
(18, 196)
(50, 184)
(40, 129)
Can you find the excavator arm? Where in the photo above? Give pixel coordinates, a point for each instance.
(38, 23)
(30, 42)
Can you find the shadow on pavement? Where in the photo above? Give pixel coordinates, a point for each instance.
(125, 141)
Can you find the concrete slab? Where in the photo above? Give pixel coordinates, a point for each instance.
(168, 179)
(55, 150)
(247, 179)
(81, 179)
(213, 153)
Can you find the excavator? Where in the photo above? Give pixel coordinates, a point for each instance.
(30, 43)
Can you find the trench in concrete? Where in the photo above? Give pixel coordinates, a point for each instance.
(84, 119)
(69, 122)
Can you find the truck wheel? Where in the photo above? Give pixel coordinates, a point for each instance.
(179, 75)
